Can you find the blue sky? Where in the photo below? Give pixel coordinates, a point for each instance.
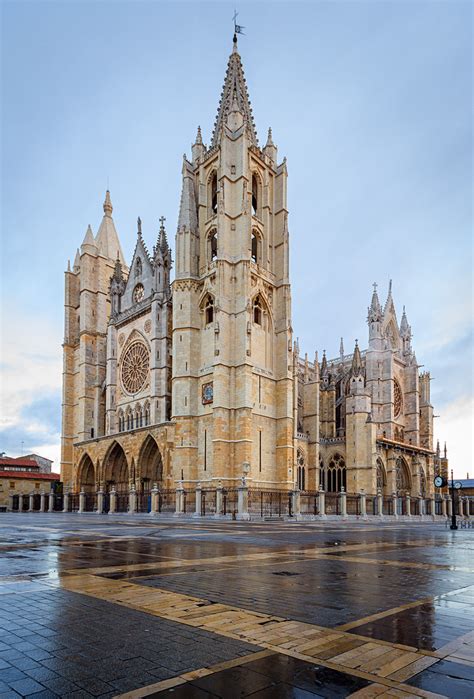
(369, 101)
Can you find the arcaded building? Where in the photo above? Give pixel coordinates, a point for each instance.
(194, 378)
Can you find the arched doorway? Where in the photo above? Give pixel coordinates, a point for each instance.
(116, 476)
(150, 469)
(402, 484)
(381, 477)
(86, 475)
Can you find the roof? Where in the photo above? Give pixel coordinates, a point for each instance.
(38, 456)
(465, 482)
(30, 475)
(20, 461)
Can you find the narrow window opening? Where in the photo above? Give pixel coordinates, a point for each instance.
(209, 310)
(259, 389)
(205, 450)
(257, 311)
(254, 248)
(254, 195)
(214, 193)
(260, 452)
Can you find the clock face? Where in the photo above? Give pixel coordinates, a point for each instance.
(207, 393)
(457, 485)
(438, 481)
(138, 293)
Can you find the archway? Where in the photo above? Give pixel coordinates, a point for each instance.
(150, 469)
(86, 475)
(381, 477)
(402, 477)
(116, 469)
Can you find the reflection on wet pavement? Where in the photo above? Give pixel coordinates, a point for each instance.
(102, 606)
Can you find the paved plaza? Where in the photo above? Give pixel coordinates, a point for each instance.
(134, 606)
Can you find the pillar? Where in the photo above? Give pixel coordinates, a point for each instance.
(42, 501)
(198, 510)
(421, 505)
(30, 504)
(51, 501)
(444, 506)
(132, 500)
(113, 502)
(322, 503)
(408, 504)
(296, 503)
(20, 503)
(363, 504)
(380, 503)
(100, 502)
(394, 504)
(10, 497)
(219, 500)
(343, 502)
(66, 500)
(243, 501)
(154, 499)
(432, 507)
(82, 502)
(461, 506)
(450, 507)
(179, 499)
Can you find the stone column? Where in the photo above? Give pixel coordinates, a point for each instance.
(197, 512)
(432, 507)
(343, 501)
(154, 499)
(296, 503)
(132, 500)
(380, 503)
(444, 508)
(450, 507)
(408, 504)
(113, 501)
(51, 501)
(179, 499)
(30, 504)
(82, 502)
(20, 502)
(219, 500)
(461, 506)
(42, 501)
(243, 502)
(322, 503)
(66, 500)
(10, 497)
(421, 505)
(363, 504)
(100, 502)
(394, 504)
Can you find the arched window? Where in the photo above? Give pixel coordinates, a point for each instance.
(138, 267)
(209, 309)
(336, 474)
(212, 245)
(213, 193)
(147, 414)
(256, 247)
(301, 472)
(255, 194)
(120, 421)
(138, 416)
(129, 420)
(257, 311)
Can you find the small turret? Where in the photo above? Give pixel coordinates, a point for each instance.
(88, 244)
(405, 333)
(270, 148)
(374, 320)
(341, 349)
(445, 451)
(438, 451)
(198, 147)
(357, 382)
(107, 240)
(77, 262)
(162, 260)
(117, 287)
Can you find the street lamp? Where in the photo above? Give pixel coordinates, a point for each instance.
(456, 485)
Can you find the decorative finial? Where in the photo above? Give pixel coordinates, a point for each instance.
(108, 208)
(162, 220)
(237, 29)
(139, 226)
(199, 136)
(341, 348)
(270, 137)
(375, 287)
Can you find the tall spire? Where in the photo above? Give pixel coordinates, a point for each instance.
(107, 239)
(162, 239)
(187, 209)
(108, 208)
(341, 348)
(356, 361)
(405, 330)
(374, 312)
(389, 297)
(234, 96)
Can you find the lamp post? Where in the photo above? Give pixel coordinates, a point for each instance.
(453, 509)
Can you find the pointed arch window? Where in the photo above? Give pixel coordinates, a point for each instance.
(301, 472)
(322, 475)
(380, 476)
(213, 193)
(256, 247)
(147, 414)
(212, 245)
(255, 195)
(257, 311)
(336, 474)
(209, 310)
(402, 477)
(121, 421)
(138, 267)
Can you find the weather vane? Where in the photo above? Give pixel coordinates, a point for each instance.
(237, 27)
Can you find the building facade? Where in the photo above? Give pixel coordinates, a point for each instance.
(198, 380)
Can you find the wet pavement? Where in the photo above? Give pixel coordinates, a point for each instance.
(103, 606)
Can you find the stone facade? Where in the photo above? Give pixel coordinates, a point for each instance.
(198, 381)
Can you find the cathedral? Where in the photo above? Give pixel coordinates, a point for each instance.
(197, 381)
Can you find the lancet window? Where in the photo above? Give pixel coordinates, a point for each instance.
(336, 474)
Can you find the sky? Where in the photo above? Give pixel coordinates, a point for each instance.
(371, 103)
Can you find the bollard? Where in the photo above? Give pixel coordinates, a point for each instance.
(132, 500)
(30, 504)
(408, 504)
(450, 507)
(219, 502)
(343, 502)
(20, 502)
(66, 500)
(296, 504)
(179, 501)
(100, 502)
(380, 503)
(42, 501)
(154, 499)
(198, 509)
(51, 501)
(395, 505)
(444, 508)
(82, 502)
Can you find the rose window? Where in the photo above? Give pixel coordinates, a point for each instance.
(135, 367)
(397, 399)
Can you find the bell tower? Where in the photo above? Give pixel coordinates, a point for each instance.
(232, 351)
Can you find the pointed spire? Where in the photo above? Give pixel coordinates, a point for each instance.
(162, 240)
(374, 312)
(77, 262)
(234, 97)
(108, 208)
(445, 451)
(341, 348)
(389, 296)
(199, 137)
(404, 327)
(356, 361)
(324, 364)
(269, 138)
(139, 227)
(316, 366)
(69, 265)
(89, 236)
(118, 272)
(438, 451)
(187, 209)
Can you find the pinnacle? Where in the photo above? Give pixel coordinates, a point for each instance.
(108, 208)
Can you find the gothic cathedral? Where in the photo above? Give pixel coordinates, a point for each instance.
(198, 381)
